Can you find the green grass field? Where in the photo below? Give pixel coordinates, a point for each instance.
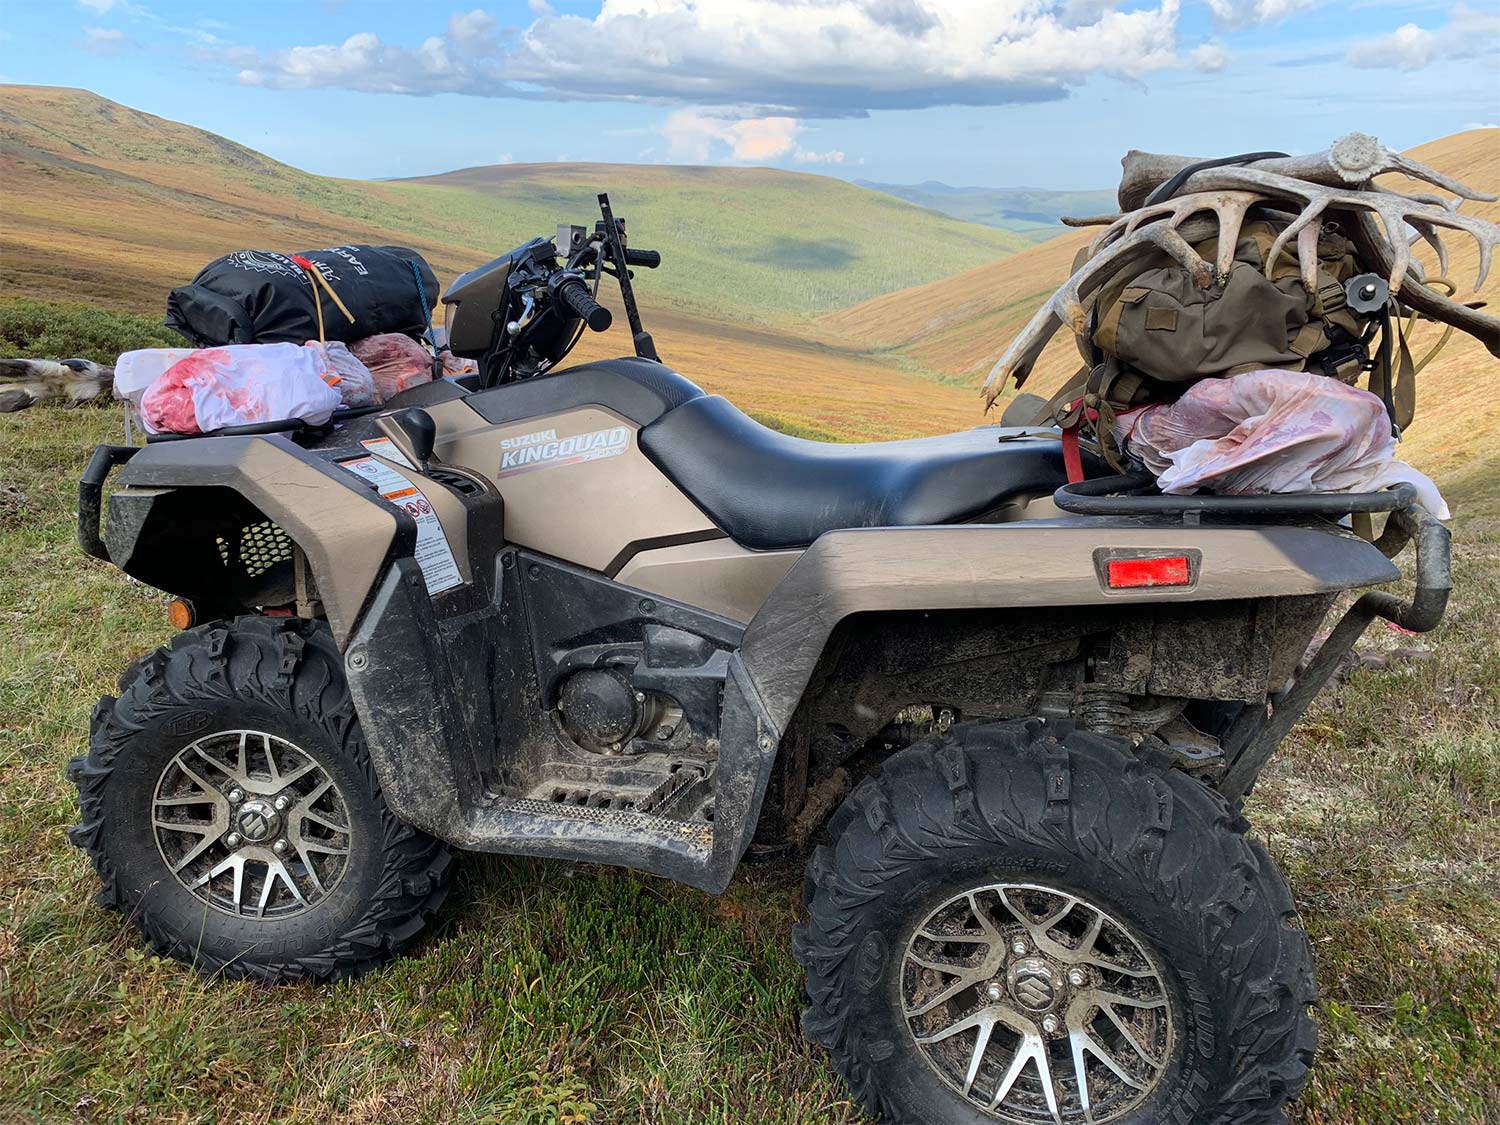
(558, 993)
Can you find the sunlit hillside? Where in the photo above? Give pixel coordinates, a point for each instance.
(108, 202)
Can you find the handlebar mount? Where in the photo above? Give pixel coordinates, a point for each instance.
(551, 295)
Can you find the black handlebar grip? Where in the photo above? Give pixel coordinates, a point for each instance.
(574, 293)
(646, 259)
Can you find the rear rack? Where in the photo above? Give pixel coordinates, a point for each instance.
(1134, 494)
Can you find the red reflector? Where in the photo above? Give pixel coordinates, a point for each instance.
(1170, 570)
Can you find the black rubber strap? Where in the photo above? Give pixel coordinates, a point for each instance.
(1170, 188)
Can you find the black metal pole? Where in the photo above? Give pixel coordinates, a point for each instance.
(645, 347)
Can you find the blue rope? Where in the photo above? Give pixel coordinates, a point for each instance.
(426, 312)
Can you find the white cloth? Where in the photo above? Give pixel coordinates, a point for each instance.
(1272, 432)
(136, 371)
(238, 384)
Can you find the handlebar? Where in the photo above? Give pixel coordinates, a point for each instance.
(646, 259)
(573, 291)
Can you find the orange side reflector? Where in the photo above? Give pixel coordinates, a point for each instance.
(180, 614)
(1169, 570)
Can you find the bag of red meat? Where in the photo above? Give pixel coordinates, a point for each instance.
(345, 373)
(236, 385)
(396, 362)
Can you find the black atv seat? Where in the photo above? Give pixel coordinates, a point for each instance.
(768, 490)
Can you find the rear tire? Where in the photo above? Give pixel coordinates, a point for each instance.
(233, 731)
(997, 816)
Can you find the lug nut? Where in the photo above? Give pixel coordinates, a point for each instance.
(1076, 977)
(1018, 948)
(233, 839)
(281, 804)
(993, 992)
(1049, 1024)
(279, 847)
(236, 795)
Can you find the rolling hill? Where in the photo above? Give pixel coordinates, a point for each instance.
(107, 205)
(1033, 213)
(742, 243)
(123, 204)
(955, 328)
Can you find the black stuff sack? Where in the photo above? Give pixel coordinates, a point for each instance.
(262, 297)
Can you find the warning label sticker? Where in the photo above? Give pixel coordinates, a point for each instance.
(433, 554)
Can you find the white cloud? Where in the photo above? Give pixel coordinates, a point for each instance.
(696, 137)
(1252, 13)
(1468, 34)
(98, 7)
(505, 158)
(793, 58)
(1209, 57)
(104, 41)
(539, 7)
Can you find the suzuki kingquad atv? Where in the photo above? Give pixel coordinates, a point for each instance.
(594, 614)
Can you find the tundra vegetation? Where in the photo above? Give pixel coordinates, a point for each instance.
(554, 993)
(557, 994)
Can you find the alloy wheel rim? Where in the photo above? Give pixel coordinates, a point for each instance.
(251, 824)
(1037, 1006)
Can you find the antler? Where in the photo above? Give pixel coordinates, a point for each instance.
(1313, 184)
(1354, 159)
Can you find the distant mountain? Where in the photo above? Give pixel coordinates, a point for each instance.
(1032, 213)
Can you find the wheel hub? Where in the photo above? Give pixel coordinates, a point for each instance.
(251, 824)
(1037, 1006)
(1034, 985)
(258, 822)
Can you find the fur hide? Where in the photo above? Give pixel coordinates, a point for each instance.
(26, 382)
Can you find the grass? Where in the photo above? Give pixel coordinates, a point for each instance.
(554, 993)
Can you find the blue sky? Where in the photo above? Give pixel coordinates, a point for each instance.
(1046, 93)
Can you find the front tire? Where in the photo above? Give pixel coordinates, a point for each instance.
(1001, 911)
(231, 810)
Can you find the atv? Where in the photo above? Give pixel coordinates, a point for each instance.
(591, 613)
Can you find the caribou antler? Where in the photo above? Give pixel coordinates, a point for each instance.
(1337, 180)
(1354, 159)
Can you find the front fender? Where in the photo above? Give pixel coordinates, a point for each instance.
(161, 525)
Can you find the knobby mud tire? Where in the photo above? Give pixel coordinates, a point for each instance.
(285, 676)
(1163, 853)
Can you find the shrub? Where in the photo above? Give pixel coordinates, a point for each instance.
(62, 330)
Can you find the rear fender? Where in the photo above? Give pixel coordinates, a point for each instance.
(1037, 564)
(177, 499)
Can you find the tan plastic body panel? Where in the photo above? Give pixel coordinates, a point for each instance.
(1036, 563)
(345, 530)
(718, 575)
(585, 508)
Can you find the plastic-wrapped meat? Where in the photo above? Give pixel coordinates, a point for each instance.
(396, 362)
(344, 372)
(1271, 432)
(236, 385)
